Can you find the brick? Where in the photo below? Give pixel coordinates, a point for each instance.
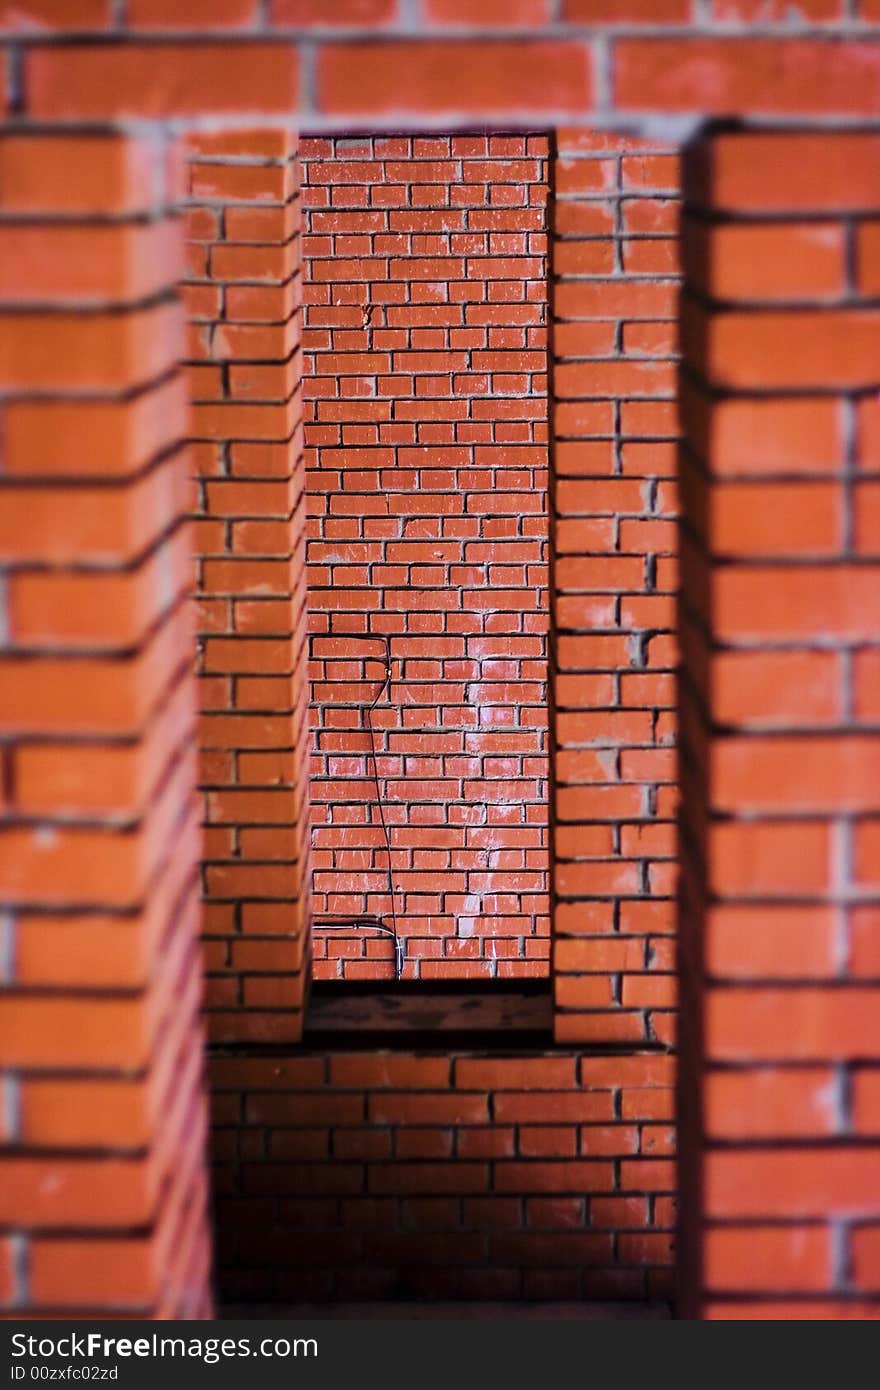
(398, 78)
(428, 1178)
(784, 76)
(544, 1073)
(387, 1108)
(868, 257)
(93, 82)
(865, 1256)
(526, 13)
(772, 942)
(573, 1176)
(384, 1070)
(809, 1023)
(777, 688)
(120, 1273)
(100, 351)
(785, 349)
(763, 1259)
(745, 10)
(768, 263)
(819, 172)
(70, 263)
(644, 1070)
(759, 773)
(346, 12)
(58, 15)
(552, 1107)
(790, 1182)
(771, 1102)
(866, 1101)
(779, 859)
(799, 600)
(192, 14)
(626, 11)
(84, 174)
(122, 1198)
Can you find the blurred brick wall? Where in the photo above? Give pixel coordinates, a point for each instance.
(102, 1182)
(779, 702)
(425, 262)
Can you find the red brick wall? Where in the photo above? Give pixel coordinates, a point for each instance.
(780, 967)
(437, 64)
(426, 433)
(102, 1184)
(443, 1175)
(613, 507)
(536, 1175)
(243, 294)
(464, 61)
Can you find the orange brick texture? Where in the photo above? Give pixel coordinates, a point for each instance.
(243, 294)
(437, 1175)
(780, 1103)
(426, 432)
(102, 1182)
(613, 509)
(392, 64)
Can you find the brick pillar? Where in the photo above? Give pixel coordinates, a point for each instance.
(612, 513)
(102, 1188)
(780, 1087)
(243, 293)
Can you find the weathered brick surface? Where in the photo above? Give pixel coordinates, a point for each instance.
(426, 434)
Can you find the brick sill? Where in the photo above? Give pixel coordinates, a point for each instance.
(415, 1013)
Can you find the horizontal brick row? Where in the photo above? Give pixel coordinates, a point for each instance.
(552, 70)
